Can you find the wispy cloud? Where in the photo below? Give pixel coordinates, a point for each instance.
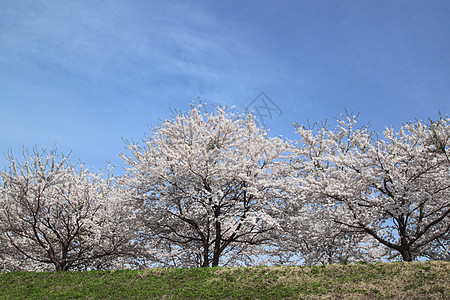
(104, 69)
(137, 46)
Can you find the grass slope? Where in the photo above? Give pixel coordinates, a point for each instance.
(419, 280)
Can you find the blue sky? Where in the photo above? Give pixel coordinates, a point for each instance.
(85, 74)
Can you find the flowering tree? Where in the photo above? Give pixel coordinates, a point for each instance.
(395, 189)
(207, 187)
(438, 249)
(311, 237)
(55, 214)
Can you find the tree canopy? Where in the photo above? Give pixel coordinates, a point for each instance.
(213, 188)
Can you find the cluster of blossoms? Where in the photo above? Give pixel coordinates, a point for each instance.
(208, 189)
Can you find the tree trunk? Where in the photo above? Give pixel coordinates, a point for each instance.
(205, 262)
(404, 246)
(61, 267)
(406, 255)
(217, 250)
(215, 260)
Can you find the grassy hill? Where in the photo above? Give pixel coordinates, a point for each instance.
(419, 280)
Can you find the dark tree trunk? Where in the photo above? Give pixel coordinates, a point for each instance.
(61, 266)
(405, 250)
(217, 250)
(205, 262)
(406, 255)
(215, 260)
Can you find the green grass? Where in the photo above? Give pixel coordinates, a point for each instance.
(419, 280)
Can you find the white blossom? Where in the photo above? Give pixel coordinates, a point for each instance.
(207, 184)
(393, 188)
(58, 216)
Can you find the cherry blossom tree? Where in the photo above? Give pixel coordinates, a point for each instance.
(311, 237)
(207, 187)
(395, 189)
(57, 216)
(438, 249)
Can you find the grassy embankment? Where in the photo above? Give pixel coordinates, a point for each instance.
(420, 280)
